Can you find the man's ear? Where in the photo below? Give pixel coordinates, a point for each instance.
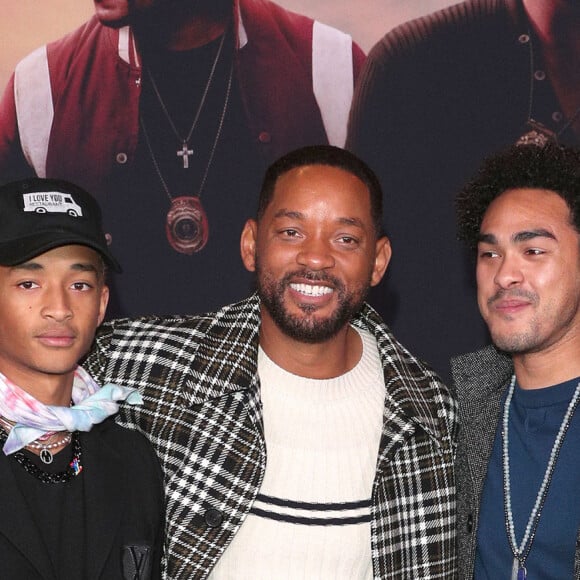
(248, 244)
(383, 254)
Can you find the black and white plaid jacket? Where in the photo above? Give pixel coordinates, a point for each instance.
(202, 412)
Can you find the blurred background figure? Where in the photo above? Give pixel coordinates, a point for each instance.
(436, 96)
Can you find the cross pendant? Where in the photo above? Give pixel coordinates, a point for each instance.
(185, 152)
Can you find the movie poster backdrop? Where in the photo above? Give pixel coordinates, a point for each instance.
(436, 96)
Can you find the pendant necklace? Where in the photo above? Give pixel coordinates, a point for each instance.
(185, 151)
(45, 448)
(538, 134)
(73, 470)
(45, 454)
(521, 551)
(187, 227)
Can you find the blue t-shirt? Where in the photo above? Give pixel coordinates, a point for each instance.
(535, 418)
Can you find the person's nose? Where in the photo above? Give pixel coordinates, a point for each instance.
(509, 271)
(57, 304)
(316, 254)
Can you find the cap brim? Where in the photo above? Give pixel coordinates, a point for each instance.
(19, 251)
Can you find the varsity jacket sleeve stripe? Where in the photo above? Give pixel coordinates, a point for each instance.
(34, 108)
(332, 79)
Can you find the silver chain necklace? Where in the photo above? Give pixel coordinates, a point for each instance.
(522, 551)
(185, 151)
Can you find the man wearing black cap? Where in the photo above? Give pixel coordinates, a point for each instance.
(81, 497)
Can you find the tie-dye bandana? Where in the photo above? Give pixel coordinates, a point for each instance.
(91, 404)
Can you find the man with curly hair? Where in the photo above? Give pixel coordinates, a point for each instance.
(431, 103)
(517, 473)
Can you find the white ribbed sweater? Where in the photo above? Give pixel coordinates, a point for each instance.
(311, 519)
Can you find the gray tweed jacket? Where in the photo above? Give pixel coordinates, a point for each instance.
(480, 379)
(202, 412)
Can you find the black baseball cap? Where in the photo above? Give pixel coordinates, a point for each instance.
(38, 215)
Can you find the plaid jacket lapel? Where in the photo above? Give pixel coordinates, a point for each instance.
(203, 415)
(412, 389)
(226, 359)
(414, 491)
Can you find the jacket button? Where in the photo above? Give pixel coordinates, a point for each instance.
(264, 137)
(469, 525)
(121, 158)
(213, 518)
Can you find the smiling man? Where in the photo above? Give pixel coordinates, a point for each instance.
(81, 496)
(517, 469)
(299, 438)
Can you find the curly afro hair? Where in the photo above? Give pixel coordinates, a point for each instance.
(552, 167)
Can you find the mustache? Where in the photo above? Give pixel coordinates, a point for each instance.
(503, 294)
(312, 276)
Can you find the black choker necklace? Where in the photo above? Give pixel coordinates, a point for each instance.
(71, 471)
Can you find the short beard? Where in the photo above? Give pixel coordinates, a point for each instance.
(308, 329)
(515, 343)
(523, 343)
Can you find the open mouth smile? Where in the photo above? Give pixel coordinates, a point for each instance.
(311, 289)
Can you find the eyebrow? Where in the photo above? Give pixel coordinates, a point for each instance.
(35, 267)
(347, 221)
(518, 237)
(289, 214)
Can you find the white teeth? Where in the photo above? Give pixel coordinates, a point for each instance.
(310, 290)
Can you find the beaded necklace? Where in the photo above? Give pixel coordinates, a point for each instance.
(521, 552)
(71, 471)
(45, 454)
